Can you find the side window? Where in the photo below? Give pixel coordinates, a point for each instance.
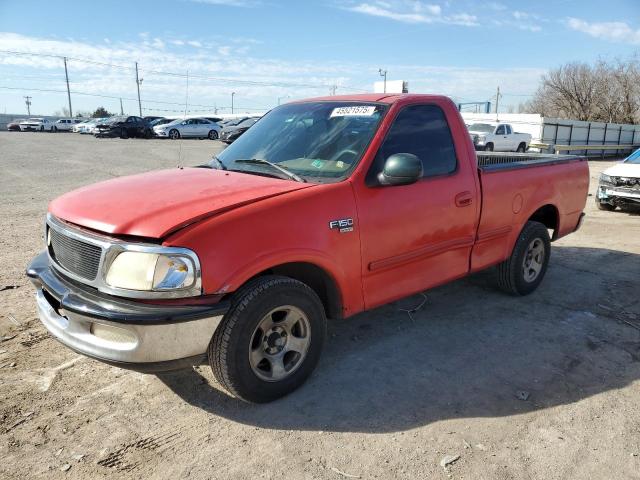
(508, 127)
(500, 130)
(423, 131)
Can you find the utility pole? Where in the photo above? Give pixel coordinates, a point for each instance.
(27, 101)
(383, 73)
(121, 109)
(66, 74)
(138, 82)
(334, 87)
(233, 94)
(497, 99)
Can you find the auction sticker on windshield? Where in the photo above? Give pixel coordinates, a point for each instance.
(353, 111)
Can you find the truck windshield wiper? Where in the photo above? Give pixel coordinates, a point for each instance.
(218, 164)
(261, 161)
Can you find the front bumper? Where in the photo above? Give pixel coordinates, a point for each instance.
(161, 133)
(618, 195)
(120, 332)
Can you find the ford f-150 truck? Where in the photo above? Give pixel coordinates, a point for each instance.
(324, 208)
(498, 137)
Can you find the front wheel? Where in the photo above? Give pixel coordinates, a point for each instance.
(270, 340)
(605, 206)
(174, 134)
(522, 272)
(521, 148)
(488, 147)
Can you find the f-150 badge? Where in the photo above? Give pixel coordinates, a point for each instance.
(343, 224)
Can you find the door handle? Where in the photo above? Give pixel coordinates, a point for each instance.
(464, 199)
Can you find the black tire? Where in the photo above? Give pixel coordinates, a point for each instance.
(54, 129)
(511, 276)
(124, 133)
(148, 133)
(213, 135)
(174, 134)
(522, 148)
(230, 346)
(488, 147)
(605, 206)
(42, 128)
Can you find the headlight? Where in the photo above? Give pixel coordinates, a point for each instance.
(604, 178)
(152, 272)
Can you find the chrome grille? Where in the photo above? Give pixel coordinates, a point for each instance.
(76, 256)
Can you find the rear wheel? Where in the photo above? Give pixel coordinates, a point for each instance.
(523, 271)
(270, 340)
(213, 135)
(521, 148)
(174, 134)
(54, 129)
(488, 147)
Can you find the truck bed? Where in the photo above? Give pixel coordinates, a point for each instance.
(490, 161)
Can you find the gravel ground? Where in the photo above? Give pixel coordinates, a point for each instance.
(539, 387)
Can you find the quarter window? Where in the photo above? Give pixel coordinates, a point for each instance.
(423, 131)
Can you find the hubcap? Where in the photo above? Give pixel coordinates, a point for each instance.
(279, 343)
(533, 260)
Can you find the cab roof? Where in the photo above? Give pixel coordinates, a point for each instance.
(372, 97)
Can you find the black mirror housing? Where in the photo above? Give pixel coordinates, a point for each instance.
(401, 169)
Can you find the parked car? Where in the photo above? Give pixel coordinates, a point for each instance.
(619, 186)
(124, 127)
(65, 124)
(87, 126)
(214, 119)
(232, 131)
(499, 137)
(151, 118)
(189, 127)
(36, 124)
(325, 208)
(14, 125)
(161, 121)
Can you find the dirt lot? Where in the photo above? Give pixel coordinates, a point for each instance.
(545, 386)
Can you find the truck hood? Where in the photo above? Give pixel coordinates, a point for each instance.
(478, 132)
(155, 204)
(624, 170)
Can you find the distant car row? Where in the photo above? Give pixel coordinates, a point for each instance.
(123, 126)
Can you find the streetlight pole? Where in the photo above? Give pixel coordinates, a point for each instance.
(383, 73)
(233, 94)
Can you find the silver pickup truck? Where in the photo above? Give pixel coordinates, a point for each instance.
(498, 137)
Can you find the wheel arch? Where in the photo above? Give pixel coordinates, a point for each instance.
(316, 277)
(549, 216)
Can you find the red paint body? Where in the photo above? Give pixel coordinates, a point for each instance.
(405, 239)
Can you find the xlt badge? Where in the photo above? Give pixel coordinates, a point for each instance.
(343, 224)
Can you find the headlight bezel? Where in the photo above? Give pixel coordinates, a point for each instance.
(606, 179)
(111, 248)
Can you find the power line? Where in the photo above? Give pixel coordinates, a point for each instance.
(182, 75)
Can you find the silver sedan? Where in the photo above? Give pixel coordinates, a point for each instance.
(190, 127)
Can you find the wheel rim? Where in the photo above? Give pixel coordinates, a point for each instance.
(533, 260)
(213, 134)
(174, 134)
(279, 343)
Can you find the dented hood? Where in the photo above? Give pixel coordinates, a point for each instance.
(155, 204)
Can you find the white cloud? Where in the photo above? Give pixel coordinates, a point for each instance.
(195, 43)
(224, 51)
(612, 31)
(412, 12)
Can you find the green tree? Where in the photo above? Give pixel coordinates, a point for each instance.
(101, 112)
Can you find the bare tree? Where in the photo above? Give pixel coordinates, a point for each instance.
(607, 91)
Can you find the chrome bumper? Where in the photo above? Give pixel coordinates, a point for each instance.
(128, 343)
(124, 333)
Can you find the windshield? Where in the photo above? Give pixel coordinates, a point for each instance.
(633, 158)
(314, 139)
(481, 127)
(247, 123)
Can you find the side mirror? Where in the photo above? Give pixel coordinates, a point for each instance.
(401, 169)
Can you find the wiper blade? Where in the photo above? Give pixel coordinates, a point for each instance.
(261, 161)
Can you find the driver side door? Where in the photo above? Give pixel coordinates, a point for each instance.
(419, 235)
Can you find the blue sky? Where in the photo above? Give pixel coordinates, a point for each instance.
(266, 49)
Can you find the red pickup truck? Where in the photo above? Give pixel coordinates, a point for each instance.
(324, 208)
